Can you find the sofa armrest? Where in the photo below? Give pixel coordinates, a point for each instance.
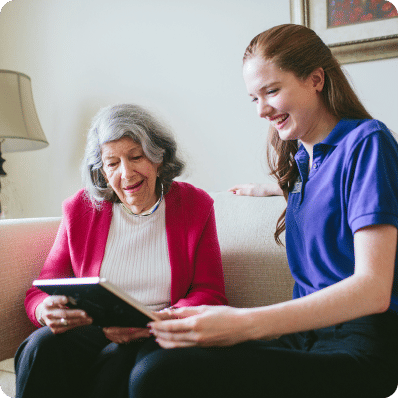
(24, 245)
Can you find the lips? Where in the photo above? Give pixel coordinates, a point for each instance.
(134, 186)
(278, 120)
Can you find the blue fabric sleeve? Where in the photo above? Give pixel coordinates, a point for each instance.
(372, 184)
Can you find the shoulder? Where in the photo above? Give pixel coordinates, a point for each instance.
(367, 128)
(79, 206)
(78, 201)
(188, 197)
(371, 134)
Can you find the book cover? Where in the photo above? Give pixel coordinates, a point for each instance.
(104, 302)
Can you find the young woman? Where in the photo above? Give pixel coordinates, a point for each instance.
(338, 170)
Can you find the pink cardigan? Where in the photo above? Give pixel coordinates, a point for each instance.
(195, 258)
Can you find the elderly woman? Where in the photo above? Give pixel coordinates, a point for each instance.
(132, 224)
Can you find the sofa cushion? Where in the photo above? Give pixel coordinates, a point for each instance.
(255, 267)
(7, 378)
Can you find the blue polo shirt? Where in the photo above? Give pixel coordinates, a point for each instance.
(353, 183)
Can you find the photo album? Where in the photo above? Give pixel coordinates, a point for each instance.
(104, 302)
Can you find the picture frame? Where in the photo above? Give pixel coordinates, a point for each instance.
(365, 41)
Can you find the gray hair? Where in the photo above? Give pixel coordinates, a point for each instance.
(128, 120)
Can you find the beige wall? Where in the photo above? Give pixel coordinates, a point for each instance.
(180, 58)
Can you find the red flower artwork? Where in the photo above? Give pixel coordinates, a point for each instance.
(347, 12)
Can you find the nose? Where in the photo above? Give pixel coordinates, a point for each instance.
(263, 109)
(127, 169)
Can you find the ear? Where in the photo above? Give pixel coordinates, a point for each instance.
(159, 168)
(317, 79)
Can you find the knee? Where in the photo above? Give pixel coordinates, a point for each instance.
(150, 376)
(168, 373)
(42, 343)
(38, 340)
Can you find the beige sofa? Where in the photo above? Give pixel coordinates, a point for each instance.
(256, 271)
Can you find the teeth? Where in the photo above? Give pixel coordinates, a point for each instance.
(280, 119)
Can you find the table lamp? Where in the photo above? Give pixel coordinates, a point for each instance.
(20, 129)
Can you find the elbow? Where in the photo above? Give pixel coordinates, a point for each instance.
(382, 303)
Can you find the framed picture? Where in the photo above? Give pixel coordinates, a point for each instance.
(355, 30)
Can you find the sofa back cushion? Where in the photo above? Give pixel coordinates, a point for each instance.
(255, 267)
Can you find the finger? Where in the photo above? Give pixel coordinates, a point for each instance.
(70, 315)
(68, 323)
(140, 334)
(116, 333)
(172, 326)
(167, 344)
(179, 313)
(186, 321)
(128, 337)
(185, 312)
(76, 314)
(117, 330)
(166, 314)
(55, 301)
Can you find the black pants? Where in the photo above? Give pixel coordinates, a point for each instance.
(354, 359)
(78, 363)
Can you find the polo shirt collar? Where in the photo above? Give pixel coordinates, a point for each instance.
(340, 131)
(334, 138)
(324, 148)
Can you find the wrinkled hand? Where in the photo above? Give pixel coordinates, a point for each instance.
(203, 326)
(266, 189)
(123, 335)
(58, 317)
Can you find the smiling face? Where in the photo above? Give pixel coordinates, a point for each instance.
(292, 105)
(130, 173)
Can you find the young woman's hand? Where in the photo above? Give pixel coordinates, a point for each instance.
(266, 189)
(203, 326)
(55, 314)
(123, 335)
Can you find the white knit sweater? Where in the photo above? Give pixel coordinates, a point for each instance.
(136, 256)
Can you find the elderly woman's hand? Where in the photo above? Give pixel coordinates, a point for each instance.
(122, 335)
(54, 313)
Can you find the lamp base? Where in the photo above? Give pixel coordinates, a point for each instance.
(2, 174)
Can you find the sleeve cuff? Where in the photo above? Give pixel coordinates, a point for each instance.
(373, 219)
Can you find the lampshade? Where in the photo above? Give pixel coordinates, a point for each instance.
(20, 129)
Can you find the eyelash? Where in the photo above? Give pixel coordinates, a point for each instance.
(270, 92)
(133, 158)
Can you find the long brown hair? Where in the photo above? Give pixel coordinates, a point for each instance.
(298, 49)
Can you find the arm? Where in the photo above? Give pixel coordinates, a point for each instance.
(267, 189)
(57, 265)
(366, 292)
(66, 259)
(48, 310)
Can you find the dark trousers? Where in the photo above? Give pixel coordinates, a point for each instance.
(354, 359)
(78, 363)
